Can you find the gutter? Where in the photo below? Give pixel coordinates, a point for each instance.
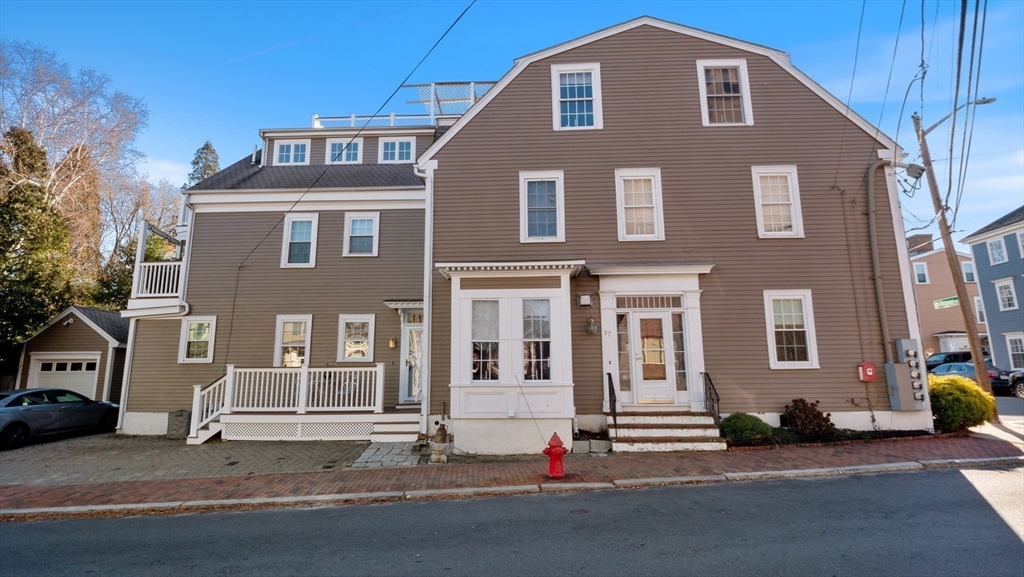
(427, 173)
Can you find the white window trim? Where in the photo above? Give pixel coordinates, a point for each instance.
(342, 319)
(183, 341)
(346, 142)
(277, 146)
(974, 270)
(927, 277)
(1009, 354)
(812, 341)
(794, 191)
(659, 210)
(741, 65)
(979, 310)
(594, 69)
(396, 139)
(1013, 292)
(281, 319)
(1020, 244)
(559, 177)
(1006, 255)
(288, 218)
(349, 217)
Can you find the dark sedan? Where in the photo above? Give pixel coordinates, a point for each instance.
(998, 378)
(34, 413)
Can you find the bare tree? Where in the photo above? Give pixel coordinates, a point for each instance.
(127, 201)
(73, 115)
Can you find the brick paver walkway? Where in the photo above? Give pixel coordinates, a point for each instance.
(484, 473)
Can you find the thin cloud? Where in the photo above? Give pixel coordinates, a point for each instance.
(274, 48)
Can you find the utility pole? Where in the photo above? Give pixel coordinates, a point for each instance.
(970, 324)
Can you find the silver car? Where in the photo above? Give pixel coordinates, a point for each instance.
(31, 413)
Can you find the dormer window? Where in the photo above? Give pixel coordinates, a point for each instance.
(724, 93)
(291, 152)
(344, 150)
(576, 96)
(394, 150)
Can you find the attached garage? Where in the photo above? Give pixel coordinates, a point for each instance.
(81, 350)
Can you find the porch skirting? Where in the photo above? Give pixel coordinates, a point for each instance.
(508, 436)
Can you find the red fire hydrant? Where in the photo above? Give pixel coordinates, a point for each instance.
(555, 450)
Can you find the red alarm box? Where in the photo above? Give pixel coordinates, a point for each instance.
(866, 371)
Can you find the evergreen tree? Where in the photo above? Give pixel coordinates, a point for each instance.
(35, 271)
(204, 164)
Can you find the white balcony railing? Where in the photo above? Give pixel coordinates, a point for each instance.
(158, 279)
(289, 390)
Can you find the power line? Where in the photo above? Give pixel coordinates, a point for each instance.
(956, 96)
(888, 81)
(966, 156)
(856, 55)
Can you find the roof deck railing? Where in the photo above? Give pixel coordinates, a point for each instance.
(442, 101)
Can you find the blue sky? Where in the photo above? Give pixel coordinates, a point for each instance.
(222, 70)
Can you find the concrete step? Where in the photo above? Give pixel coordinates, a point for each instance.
(646, 430)
(666, 444)
(668, 417)
(394, 436)
(404, 427)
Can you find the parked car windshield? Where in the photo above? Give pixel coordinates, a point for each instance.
(936, 358)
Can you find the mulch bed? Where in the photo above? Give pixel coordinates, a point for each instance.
(879, 437)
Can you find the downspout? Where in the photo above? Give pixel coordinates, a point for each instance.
(126, 378)
(876, 267)
(427, 173)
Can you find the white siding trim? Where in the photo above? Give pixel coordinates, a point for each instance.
(349, 217)
(285, 241)
(756, 173)
(808, 312)
(183, 338)
(741, 65)
(526, 176)
(108, 377)
(281, 319)
(342, 319)
(594, 68)
(659, 209)
(126, 378)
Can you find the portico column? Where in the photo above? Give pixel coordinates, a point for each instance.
(695, 354)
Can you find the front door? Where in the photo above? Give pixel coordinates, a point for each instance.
(412, 357)
(653, 358)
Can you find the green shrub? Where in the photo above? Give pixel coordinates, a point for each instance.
(805, 419)
(958, 403)
(782, 436)
(744, 428)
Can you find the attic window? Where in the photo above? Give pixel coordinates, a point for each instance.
(395, 150)
(576, 96)
(291, 152)
(724, 92)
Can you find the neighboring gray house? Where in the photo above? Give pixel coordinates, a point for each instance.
(999, 257)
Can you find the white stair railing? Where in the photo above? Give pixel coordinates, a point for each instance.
(207, 404)
(158, 279)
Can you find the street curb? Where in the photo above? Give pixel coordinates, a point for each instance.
(427, 494)
(471, 491)
(656, 481)
(557, 487)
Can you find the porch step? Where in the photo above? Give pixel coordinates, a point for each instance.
(661, 418)
(205, 434)
(647, 430)
(666, 444)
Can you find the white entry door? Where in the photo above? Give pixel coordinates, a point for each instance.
(412, 355)
(653, 366)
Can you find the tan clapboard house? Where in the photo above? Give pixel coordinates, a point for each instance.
(942, 320)
(635, 231)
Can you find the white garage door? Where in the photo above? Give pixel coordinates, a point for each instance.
(77, 375)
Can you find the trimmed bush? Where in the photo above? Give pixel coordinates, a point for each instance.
(782, 436)
(958, 403)
(805, 419)
(744, 428)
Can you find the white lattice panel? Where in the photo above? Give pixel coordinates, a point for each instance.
(337, 431)
(260, 431)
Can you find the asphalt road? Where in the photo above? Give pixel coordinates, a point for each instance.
(927, 523)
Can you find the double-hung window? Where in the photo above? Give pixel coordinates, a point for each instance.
(541, 206)
(789, 317)
(536, 340)
(997, 251)
(968, 267)
(344, 150)
(355, 338)
(299, 244)
(1015, 349)
(291, 344)
(576, 96)
(1006, 294)
(724, 92)
(979, 310)
(291, 152)
(484, 335)
(196, 344)
(638, 200)
(361, 233)
(396, 150)
(777, 202)
(921, 273)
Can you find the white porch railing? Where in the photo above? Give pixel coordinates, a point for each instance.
(289, 390)
(158, 279)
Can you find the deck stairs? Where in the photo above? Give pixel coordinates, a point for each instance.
(650, 431)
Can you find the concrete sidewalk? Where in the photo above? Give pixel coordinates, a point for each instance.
(526, 474)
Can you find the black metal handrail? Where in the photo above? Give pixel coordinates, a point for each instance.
(612, 401)
(711, 398)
